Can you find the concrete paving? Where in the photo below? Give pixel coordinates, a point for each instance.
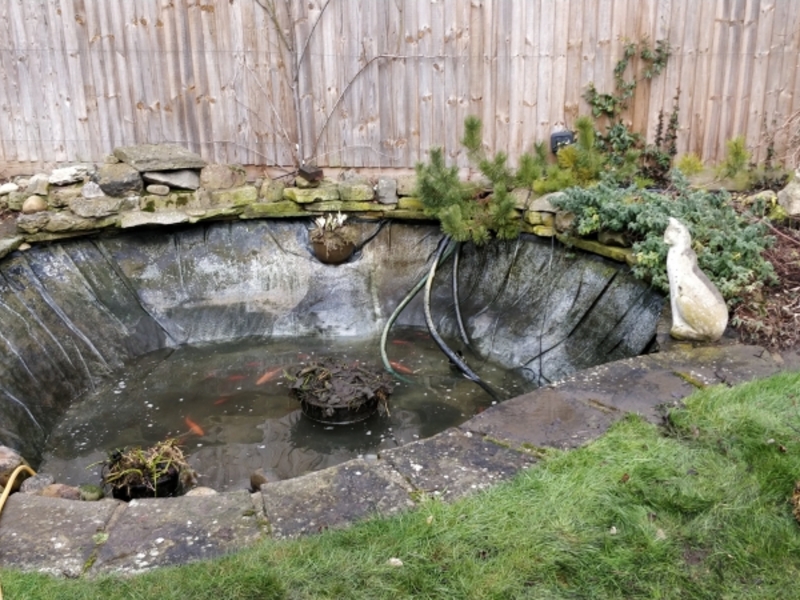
(72, 538)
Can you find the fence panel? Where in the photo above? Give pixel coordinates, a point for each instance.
(378, 84)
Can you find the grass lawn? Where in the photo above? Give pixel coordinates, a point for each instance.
(700, 509)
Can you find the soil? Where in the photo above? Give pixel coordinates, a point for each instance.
(771, 317)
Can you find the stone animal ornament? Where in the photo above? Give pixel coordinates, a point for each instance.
(699, 312)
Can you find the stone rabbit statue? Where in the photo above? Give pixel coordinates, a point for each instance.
(699, 312)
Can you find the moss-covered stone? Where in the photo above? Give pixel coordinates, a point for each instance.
(534, 218)
(612, 252)
(407, 215)
(241, 196)
(271, 190)
(196, 215)
(338, 205)
(356, 191)
(285, 208)
(175, 200)
(323, 193)
(543, 231)
(159, 217)
(410, 203)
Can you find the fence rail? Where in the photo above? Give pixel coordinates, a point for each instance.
(377, 84)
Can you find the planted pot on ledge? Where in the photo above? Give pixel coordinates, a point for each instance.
(332, 240)
(155, 472)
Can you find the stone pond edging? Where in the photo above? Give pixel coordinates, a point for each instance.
(164, 184)
(73, 538)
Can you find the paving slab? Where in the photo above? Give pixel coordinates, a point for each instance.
(52, 535)
(334, 497)
(159, 532)
(581, 407)
(454, 463)
(543, 418)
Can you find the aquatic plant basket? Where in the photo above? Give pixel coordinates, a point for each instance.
(166, 485)
(360, 410)
(334, 392)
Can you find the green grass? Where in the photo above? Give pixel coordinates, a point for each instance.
(698, 510)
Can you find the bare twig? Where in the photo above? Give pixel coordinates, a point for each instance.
(344, 91)
(302, 54)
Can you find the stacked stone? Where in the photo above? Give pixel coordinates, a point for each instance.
(165, 184)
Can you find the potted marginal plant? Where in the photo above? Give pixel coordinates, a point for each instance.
(335, 391)
(158, 471)
(332, 239)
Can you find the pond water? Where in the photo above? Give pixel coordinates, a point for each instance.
(229, 406)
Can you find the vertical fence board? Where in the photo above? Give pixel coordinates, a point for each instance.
(755, 114)
(776, 75)
(789, 101)
(8, 149)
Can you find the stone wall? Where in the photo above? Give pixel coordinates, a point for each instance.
(152, 185)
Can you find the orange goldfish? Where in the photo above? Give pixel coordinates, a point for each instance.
(400, 367)
(220, 400)
(269, 375)
(194, 427)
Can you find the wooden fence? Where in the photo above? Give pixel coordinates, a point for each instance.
(377, 83)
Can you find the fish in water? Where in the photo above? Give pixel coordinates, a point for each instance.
(237, 377)
(269, 375)
(221, 400)
(194, 427)
(401, 342)
(400, 367)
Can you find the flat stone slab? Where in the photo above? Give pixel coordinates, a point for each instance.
(170, 531)
(579, 408)
(159, 157)
(52, 535)
(162, 217)
(543, 418)
(334, 497)
(454, 464)
(9, 244)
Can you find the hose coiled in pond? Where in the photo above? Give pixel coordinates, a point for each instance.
(454, 358)
(400, 308)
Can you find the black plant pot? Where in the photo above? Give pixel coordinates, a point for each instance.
(167, 485)
(340, 415)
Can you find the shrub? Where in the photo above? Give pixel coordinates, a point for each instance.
(728, 247)
(690, 164)
(464, 213)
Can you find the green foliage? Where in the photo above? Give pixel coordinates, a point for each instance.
(736, 159)
(690, 164)
(629, 159)
(728, 247)
(463, 213)
(653, 60)
(656, 158)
